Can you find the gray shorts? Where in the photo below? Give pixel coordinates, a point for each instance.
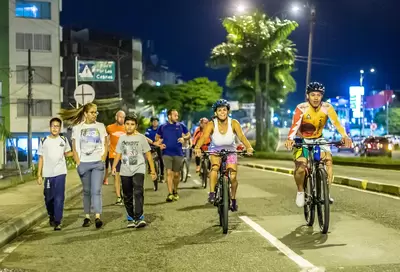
(173, 163)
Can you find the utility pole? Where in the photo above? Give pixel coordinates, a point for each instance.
(30, 79)
(119, 71)
(76, 76)
(310, 42)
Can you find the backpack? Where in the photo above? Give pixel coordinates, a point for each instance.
(44, 139)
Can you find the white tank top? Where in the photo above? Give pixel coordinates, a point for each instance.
(227, 139)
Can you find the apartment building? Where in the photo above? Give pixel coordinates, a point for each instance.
(30, 25)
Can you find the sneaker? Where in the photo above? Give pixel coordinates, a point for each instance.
(130, 219)
(57, 227)
(300, 199)
(176, 196)
(140, 223)
(331, 200)
(234, 206)
(86, 222)
(131, 224)
(98, 223)
(119, 201)
(211, 197)
(170, 198)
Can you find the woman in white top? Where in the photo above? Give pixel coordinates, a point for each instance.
(223, 131)
(89, 146)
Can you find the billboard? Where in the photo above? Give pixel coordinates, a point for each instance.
(356, 96)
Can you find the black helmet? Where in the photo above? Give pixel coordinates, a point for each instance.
(154, 118)
(315, 87)
(221, 103)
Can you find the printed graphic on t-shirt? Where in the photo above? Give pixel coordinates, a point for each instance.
(90, 140)
(130, 152)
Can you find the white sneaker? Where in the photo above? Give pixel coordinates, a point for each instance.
(300, 199)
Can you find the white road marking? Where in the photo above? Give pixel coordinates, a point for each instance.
(337, 185)
(300, 261)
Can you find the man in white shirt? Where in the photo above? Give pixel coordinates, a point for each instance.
(52, 169)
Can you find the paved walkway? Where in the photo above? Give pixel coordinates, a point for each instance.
(17, 200)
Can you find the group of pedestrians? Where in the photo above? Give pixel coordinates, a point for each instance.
(90, 149)
(94, 146)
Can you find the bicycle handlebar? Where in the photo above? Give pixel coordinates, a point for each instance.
(315, 144)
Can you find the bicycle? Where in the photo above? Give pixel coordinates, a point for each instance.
(204, 168)
(185, 167)
(316, 187)
(222, 189)
(157, 166)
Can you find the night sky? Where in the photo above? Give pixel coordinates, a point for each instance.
(350, 35)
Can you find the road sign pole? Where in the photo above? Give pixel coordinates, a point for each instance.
(76, 76)
(83, 95)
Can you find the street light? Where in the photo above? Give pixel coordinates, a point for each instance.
(295, 8)
(141, 101)
(362, 72)
(241, 8)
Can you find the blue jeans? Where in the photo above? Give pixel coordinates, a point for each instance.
(92, 174)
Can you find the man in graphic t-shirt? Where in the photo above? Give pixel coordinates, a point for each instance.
(172, 135)
(114, 131)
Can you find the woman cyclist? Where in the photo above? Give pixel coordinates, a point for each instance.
(196, 136)
(223, 131)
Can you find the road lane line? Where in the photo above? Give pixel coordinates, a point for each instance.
(337, 185)
(300, 261)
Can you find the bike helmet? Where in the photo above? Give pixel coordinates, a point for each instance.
(221, 103)
(315, 87)
(203, 120)
(154, 118)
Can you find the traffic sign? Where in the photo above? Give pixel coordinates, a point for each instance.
(373, 126)
(96, 71)
(84, 94)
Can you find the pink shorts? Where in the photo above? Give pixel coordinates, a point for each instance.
(232, 159)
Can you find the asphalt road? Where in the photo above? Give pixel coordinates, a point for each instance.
(183, 236)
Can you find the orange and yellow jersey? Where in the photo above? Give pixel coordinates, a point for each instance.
(309, 122)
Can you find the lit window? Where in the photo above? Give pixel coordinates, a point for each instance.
(36, 10)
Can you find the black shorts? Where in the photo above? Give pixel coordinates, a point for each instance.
(118, 168)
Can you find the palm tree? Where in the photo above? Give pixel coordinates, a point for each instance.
(253, 42)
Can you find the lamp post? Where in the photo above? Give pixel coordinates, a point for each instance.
(362, 75)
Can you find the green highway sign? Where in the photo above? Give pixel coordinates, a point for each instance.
(96, 70)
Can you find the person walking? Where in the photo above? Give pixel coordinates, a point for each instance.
(89, 145)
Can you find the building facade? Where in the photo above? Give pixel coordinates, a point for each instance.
(30, 25)
(88, 44)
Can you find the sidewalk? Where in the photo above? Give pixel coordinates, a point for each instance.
(382, 181)
(22, 206)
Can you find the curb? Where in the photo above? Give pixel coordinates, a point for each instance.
(362, 184)
(18, 225)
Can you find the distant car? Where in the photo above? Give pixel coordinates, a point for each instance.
(376, 146)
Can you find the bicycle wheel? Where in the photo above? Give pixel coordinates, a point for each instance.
(184, 171)
(157, 168)
(204, 173)
(323, 206)
(225, 205)
(309, 206)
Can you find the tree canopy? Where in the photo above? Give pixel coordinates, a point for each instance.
(193, 96)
